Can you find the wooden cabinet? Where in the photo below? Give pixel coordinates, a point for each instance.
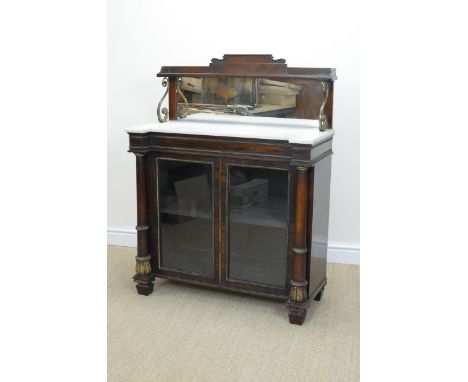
(234, 202)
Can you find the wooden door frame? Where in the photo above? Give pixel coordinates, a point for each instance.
(155, 215)
(225, 281)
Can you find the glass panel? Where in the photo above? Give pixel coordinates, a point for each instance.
(258, 217)
(186, 216)
(263, 97)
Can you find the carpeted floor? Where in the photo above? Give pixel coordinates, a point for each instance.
(184, 333)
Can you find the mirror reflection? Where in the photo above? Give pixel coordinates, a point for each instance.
(243, 96)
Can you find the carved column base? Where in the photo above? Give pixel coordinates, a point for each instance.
(298, 291)
(297, 311)
(144, 283)
(298, 302)
(143, 265)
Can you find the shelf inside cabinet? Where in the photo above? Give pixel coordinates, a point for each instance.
(268, 213)
(170, 206)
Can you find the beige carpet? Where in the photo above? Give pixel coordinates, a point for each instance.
(184, 333)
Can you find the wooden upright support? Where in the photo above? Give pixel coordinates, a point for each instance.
(172, 98)
(143, 278)
(298, 301)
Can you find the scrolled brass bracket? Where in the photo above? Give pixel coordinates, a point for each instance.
(164, 110)
(183, 111)
(323, 121)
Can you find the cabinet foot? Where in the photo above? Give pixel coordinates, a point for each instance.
(144, 283)
(297, 311)
(319, 295)
(297, 319)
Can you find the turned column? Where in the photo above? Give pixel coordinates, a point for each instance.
(298, 301)
(143, 278)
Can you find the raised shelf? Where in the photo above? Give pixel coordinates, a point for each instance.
(265, 214)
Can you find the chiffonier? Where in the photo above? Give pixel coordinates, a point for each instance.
(233, 180)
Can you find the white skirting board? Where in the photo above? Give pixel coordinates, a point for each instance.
(337, 252)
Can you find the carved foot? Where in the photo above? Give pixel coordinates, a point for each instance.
(319, 295)
(297, 312)
(296, 318)
(144, 283)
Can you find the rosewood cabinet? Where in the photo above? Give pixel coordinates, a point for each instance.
(238, 202)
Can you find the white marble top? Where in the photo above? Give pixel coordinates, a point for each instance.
(303, 131)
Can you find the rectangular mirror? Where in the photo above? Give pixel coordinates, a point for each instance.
(262, 97)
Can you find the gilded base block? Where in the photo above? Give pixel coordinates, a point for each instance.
(143, 265)
(298, 293)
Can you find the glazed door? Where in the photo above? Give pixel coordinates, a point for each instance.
(188, 220)
(255, 215)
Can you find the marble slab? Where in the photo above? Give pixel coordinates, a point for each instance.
(303, 131)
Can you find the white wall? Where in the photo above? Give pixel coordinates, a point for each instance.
(146, 34)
